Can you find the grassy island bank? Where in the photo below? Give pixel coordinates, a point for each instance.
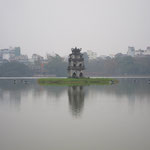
(78, 81)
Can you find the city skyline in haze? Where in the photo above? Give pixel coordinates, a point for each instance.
(47, 26)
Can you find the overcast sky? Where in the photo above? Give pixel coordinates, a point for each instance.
(46, 26)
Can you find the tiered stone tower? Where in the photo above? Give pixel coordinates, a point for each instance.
(76, 64)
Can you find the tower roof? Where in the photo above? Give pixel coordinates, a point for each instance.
(76, 50)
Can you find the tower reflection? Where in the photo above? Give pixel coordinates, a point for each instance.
(76, 99)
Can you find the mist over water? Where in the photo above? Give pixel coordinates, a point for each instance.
(105, 117)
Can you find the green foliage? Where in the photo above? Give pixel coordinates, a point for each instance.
(73, 81)
(15, 69)
(121, 65)
(56, 66)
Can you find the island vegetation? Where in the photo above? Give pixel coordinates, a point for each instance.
(76, 81)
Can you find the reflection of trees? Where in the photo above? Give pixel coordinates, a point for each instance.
(50, 91)
(12, 91)
(126, 87)
(76, 99)
(132, 89)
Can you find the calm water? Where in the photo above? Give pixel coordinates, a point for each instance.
(111, 117)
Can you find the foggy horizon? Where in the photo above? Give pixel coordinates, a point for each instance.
(100, 99)
(46, 26)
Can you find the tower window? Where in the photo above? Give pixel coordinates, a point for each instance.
(80, 65)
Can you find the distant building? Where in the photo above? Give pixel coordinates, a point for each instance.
(36, 57)
(147, 51)
(131, 51)
(137, 53)
(91, 54)
(22, 59)
(76, 64)
(15, 51)
(7, 54)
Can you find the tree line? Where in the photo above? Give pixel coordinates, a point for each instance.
(120, 65)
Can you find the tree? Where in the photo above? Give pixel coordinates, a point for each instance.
(15, 69)
(56, 66)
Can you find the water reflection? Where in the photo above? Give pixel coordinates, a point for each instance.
(12, 95)
(116, 113)
(76, 99)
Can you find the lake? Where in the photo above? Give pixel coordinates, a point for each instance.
(106, 117)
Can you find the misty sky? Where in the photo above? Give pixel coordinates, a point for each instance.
(46, 26)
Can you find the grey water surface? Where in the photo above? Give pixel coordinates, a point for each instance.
(105, 117)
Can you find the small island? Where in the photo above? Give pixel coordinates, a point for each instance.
(76, 73)
(76, 81)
